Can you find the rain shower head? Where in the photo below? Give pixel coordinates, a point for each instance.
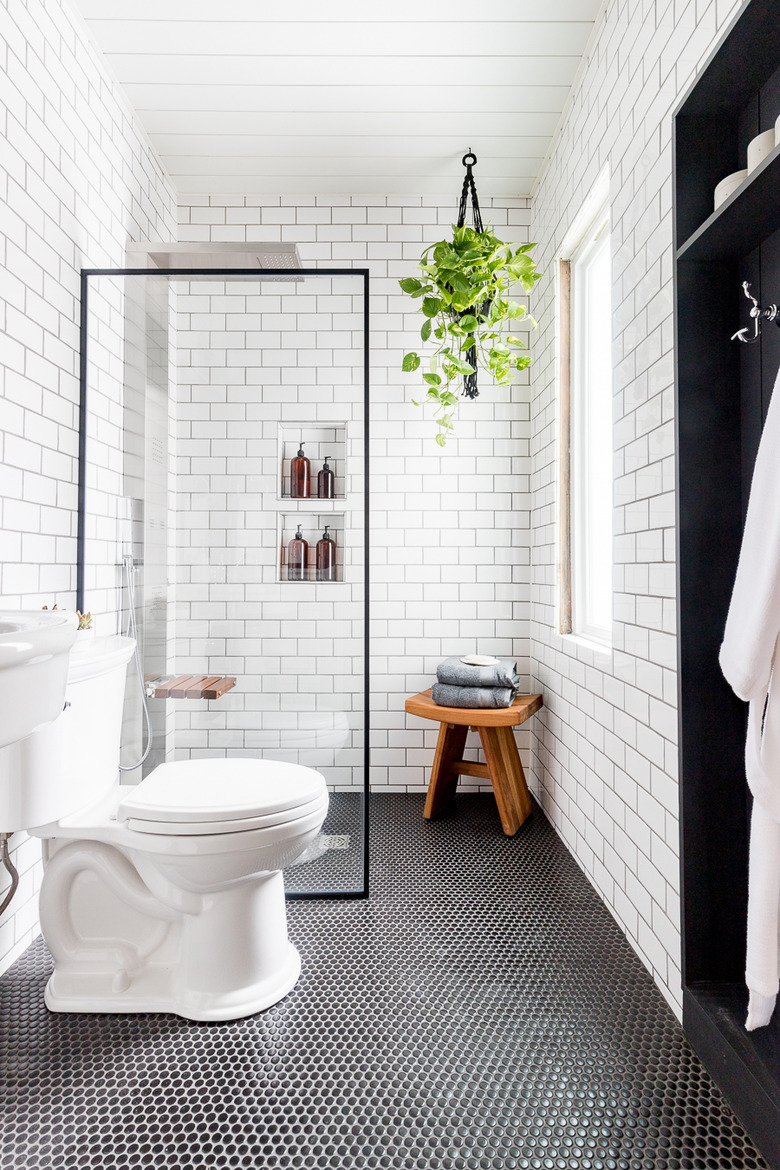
(216, 256)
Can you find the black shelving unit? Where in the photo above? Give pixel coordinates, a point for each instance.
(723, 391)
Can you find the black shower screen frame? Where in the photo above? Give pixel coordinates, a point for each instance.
(247, 273)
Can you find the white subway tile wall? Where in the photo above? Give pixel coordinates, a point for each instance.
(450, 534)
(79, 180)
(606, 741)
(262, 366)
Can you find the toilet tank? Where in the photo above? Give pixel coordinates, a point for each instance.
(92, 724)
(72, 762)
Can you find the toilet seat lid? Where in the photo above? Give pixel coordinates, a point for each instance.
(195, 791)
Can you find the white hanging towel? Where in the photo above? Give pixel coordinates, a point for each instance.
(747, 659)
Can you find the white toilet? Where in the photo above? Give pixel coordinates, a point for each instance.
(166, 896)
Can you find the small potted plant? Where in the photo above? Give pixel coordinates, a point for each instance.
(464, 298)
(85, 623)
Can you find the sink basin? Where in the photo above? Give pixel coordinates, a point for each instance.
(34, 646)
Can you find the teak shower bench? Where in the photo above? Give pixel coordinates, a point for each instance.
(503, 768)
(194, 686)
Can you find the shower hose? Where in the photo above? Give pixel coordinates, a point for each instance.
(132, 632)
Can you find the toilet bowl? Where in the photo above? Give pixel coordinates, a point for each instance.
(168, 896)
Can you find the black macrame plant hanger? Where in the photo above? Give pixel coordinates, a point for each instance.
(470, 389)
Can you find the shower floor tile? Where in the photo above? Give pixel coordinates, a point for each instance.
(335, 861)
(481, 1012)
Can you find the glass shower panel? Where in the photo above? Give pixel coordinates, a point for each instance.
(145, 506)
(125, 482)
(261, 367)
(102, 475)
(188, 467)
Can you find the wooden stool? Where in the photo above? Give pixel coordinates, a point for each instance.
(503, 768)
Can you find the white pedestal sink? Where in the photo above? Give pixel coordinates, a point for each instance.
(34, 652)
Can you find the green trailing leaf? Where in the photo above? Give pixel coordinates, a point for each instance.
(468, 315)
(459, 283)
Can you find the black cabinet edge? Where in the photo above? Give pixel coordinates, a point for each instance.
(709, 1026)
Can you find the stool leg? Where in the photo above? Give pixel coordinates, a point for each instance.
(507, 777)
(444, 779)
(514, 770)
(503, 790)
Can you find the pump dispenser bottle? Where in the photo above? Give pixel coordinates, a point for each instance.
(326, 557)
(300, 476)
(297, 557)
(326, 482)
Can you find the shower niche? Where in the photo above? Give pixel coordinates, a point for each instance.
(323, 444)
(321, 565)
(199, 385)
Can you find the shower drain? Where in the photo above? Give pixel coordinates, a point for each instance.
(322, 844)
(338, 841)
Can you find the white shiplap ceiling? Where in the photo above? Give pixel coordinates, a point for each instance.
(345, 96)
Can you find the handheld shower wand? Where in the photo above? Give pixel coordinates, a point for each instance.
(132, 632)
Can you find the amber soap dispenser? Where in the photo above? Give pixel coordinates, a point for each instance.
(326, 557)
(297, 557)
(326, 481)
(300, 476)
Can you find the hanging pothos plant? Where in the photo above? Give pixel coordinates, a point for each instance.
(464, 297)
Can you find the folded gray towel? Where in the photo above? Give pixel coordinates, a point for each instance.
(476, 697)
(455, 673)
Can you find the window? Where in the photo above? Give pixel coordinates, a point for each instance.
(586, 438)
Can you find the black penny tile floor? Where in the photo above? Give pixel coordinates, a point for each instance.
(335, 860)
(482, 1010)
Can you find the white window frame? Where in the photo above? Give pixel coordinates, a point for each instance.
(586, 434)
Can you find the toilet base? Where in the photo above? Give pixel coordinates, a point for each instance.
(124, 938)
(151, 992)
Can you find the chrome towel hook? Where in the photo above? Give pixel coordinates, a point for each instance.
(758, 315)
